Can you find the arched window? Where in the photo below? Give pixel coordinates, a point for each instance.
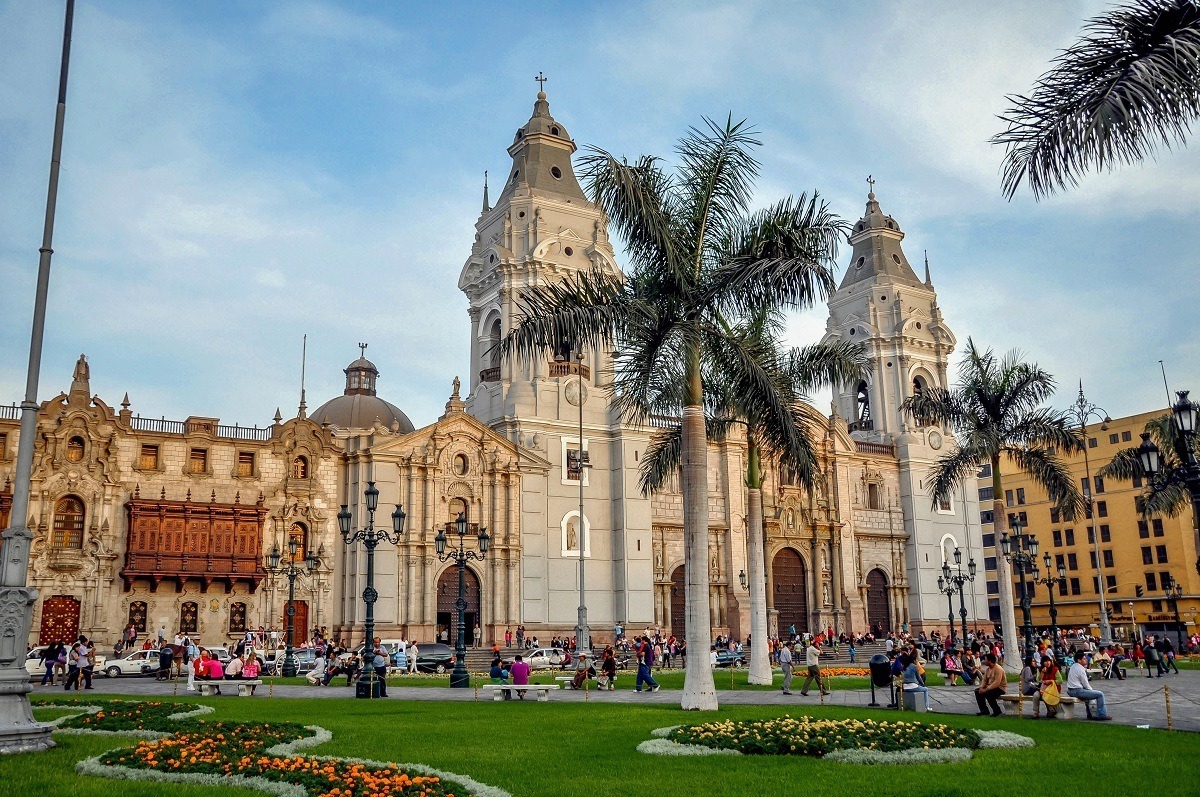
(493, 342)
(458, 507)
(68, 523)
(299, 533)
(75, 449)
(863, 400)
(300, 468)
(920, 388)
(189, 618)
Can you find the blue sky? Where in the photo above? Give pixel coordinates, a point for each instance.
(237, 174)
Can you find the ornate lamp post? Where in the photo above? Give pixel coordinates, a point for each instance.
(1052, 581)
(1173, 593)
(580, 461)
(1083, 411)
(1187, 475)
(291, 572)
(370, 537)
(1021, 549)
(956, 581)
(459, 678)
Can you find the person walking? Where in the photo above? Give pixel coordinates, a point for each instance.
(645, 660)
(50, 661)
(1153, 657)
(1079, 687)
(992, 684)
(785, 662)
(812, 660)
(1166, 654)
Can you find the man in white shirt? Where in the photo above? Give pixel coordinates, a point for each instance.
(785, 661)
(1079, 687)
(812, 659)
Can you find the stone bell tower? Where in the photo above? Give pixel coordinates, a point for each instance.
(541, 229)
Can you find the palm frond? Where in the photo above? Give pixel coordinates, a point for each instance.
(1129, 85)
(585, 309)
(664, 455)
(824, 364)
(1051, 474)
(716, 176)
(950, 471)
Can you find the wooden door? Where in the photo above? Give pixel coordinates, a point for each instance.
(790, 591)
(60, 620)
(679, 603)
(879, 605)
(300, 621)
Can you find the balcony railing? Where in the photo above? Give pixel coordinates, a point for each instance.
(490, 374)
(570, 369)
(879, 449)
(861, 426)
(165, 426)
(9, 412)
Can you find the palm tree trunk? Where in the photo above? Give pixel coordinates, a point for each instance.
(1008, 608)
(756, 576)
(699, 688)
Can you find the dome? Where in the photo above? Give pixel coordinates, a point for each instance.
(358, 407)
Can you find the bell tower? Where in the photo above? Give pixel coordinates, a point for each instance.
(542, 228)
(883, 304)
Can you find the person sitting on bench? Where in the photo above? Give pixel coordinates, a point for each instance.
(210, 668)
(520, 674)
(499, 676)
(954, 668)
(234, 671)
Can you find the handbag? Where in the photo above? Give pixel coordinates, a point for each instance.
(1050, 695)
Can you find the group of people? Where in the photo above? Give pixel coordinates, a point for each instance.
(75, 664)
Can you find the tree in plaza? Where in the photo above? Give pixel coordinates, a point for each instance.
(1130, 84)
(1167, 494)
(697, 255)
(995, 411)
(770, 409)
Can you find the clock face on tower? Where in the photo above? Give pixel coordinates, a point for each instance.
(575, 388)
(935, 439)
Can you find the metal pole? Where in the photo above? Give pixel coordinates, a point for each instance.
(950, 605)
(460, 679)
(582, 634)
(369, 596)
(1085, 410)
(18, 731)
(962, 610)
(1050, 585)
(1026, 600)
(289, 655)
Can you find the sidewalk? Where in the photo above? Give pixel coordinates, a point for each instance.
(1138, 700)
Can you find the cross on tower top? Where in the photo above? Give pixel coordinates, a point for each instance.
(541, 80)
(362, 349)
(871, 182)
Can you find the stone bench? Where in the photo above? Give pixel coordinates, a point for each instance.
(542, 690)
(246, 687)
(213, 688)
(1013, 704)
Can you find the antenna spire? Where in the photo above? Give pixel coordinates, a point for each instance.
(928, 281)
(303, 363)
(486, 204)
(1167, 389)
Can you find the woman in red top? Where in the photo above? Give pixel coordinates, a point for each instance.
(1049, 675)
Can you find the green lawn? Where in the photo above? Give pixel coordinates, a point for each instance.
(565, 749)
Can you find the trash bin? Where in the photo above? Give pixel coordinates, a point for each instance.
(881, 670)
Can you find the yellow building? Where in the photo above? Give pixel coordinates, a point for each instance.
(1131, 555)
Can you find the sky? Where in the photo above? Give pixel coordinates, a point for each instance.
(236, 175)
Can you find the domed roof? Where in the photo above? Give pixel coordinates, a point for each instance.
(358, 407)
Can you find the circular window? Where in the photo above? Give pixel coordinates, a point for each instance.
(521, 215)
(861, 260)
(460, 464)
(853, 330)
(889, 365)
(883, 298)
(918, 325)
(516, 172)
(557, 172)
(554, 131)
(491, 258)
(568, 251)
(896, 258)
(75, 449)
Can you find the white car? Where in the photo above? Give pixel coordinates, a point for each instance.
(139, 662)
(545, 658)
(35, 667)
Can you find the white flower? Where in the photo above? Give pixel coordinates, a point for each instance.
(1003, 740)
(945, 755)
(666, 747)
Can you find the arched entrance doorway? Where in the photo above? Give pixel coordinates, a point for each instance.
(60, 620)
(299, 622)
(447, 612)
(791, 591)
(879, 604)
(678, 618)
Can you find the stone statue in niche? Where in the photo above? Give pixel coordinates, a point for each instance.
(824, 559)
(714, 566)
(826, 594)
(572, 536)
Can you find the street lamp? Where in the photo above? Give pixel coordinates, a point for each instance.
(1021, 549)
(952, 581)
(1173, 593)
(579, 462)
(291, 572)
(459, 678)
(1187, 474)
(1081, 412)
(1052, 581)
(370, 537)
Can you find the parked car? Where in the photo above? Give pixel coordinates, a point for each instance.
(729, 658)
(546, 658)
(139, 662)
(434, 657)
(306, 661)
(221, 654)
(34, 665)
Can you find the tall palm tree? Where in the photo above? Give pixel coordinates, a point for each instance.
(697, 255)
(1129, 85)
(780, 427)
(1168, 494)
(995, 411)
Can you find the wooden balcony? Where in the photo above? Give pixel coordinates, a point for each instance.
(570, 369)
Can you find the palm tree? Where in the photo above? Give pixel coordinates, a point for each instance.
(1168, 494)
(697, 255)
(1129, 85)
(779, 426)
(997, 417)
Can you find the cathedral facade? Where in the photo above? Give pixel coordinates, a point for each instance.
(170, 524)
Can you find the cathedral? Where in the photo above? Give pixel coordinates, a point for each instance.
(165, 523)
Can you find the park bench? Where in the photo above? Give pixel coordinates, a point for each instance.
(213, 688)
(1013, 704)
(542, 690)
(246, 688)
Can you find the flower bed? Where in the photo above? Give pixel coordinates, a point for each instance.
(811, 737)
(254, 755)
(837, 672)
